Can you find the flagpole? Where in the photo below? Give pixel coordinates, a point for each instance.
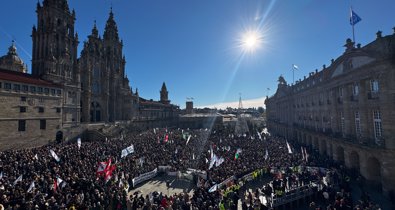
(353, 33)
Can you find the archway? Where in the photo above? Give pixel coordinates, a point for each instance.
(340, 154)
(315, 143)
(59, 137)
(322, 147)
(95, 112)
(354, 161)
(374, 172)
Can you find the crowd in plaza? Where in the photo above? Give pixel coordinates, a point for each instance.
(72, 179)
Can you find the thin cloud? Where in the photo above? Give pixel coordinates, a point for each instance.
(256, 102)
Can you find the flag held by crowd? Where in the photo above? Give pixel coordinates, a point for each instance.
(19, 179)
(266, 155)
(31, 187)
(237, 154)
(213, 188)
(128, 150)
(289, 148)
(53, 154)
(79, 143)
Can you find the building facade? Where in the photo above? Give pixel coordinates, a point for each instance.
(63, 90)
(106, 94)
(346, 110)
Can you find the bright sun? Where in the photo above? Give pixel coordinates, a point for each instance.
(251, 41)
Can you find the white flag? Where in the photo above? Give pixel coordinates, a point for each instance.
(32, 186)
(79, 143)
(189, 137)
(127, 151)
(266, 155)
(18, 180)
(54, 155)
(1, 175)
(212, 161)
(154, 131)
(260, 137)
(219, 162)
(59, 181)
(302, 153)
(295, 67)
(213, 188)
(193, 156)
(36, 157)
(289, 148)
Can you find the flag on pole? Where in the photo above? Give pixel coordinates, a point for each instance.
(55, 185)
(289, 148)
(59, 181)
(54, 155)
(295, 67)
(36, 157)
(354, 18)
(109, 172)
(260, 137)
(102, 167)
(1, 175)
(212, 161)
(79, 143)
(19, 179)
(301, 148)
(166, 138)
(32, 186)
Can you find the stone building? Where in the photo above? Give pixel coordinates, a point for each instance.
(346, 110)
(55, 55)
(64, 91)
(31, 110)
(106, 94)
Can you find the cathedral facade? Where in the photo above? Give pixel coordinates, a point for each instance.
(63, 90)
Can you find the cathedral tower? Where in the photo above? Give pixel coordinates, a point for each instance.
(164, 95)
(55, 54)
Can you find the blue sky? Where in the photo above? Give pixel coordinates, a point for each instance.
(193, 45)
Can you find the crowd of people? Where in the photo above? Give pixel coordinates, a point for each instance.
(35, 179)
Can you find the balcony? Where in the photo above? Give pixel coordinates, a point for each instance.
(373, 95)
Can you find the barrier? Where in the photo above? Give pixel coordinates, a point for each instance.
(144, 177)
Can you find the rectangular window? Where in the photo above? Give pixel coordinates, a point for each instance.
(22, 109)
(17, 87)
(340, 91)
(355, 89)
(22, 125)
(358, 131)
(25, 88)
(378, 127)
(53, 91)
(374, 85)
(43, 124)
(32, 89)
(7, 86)
(58, 110)
(58, 92)
(23, 98)
(1, 85)
(40, 90)
(46, 91)
(342, 123)
(41, 109)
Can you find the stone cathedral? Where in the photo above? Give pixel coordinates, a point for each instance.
(63, 90)
(95, 83)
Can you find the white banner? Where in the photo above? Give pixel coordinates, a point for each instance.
(144, 177)
(127, 151)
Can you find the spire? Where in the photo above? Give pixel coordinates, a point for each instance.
(95, 32)
(164, 89)
(111, 30)
(62, 4)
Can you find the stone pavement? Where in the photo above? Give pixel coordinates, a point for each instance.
(158, 184)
